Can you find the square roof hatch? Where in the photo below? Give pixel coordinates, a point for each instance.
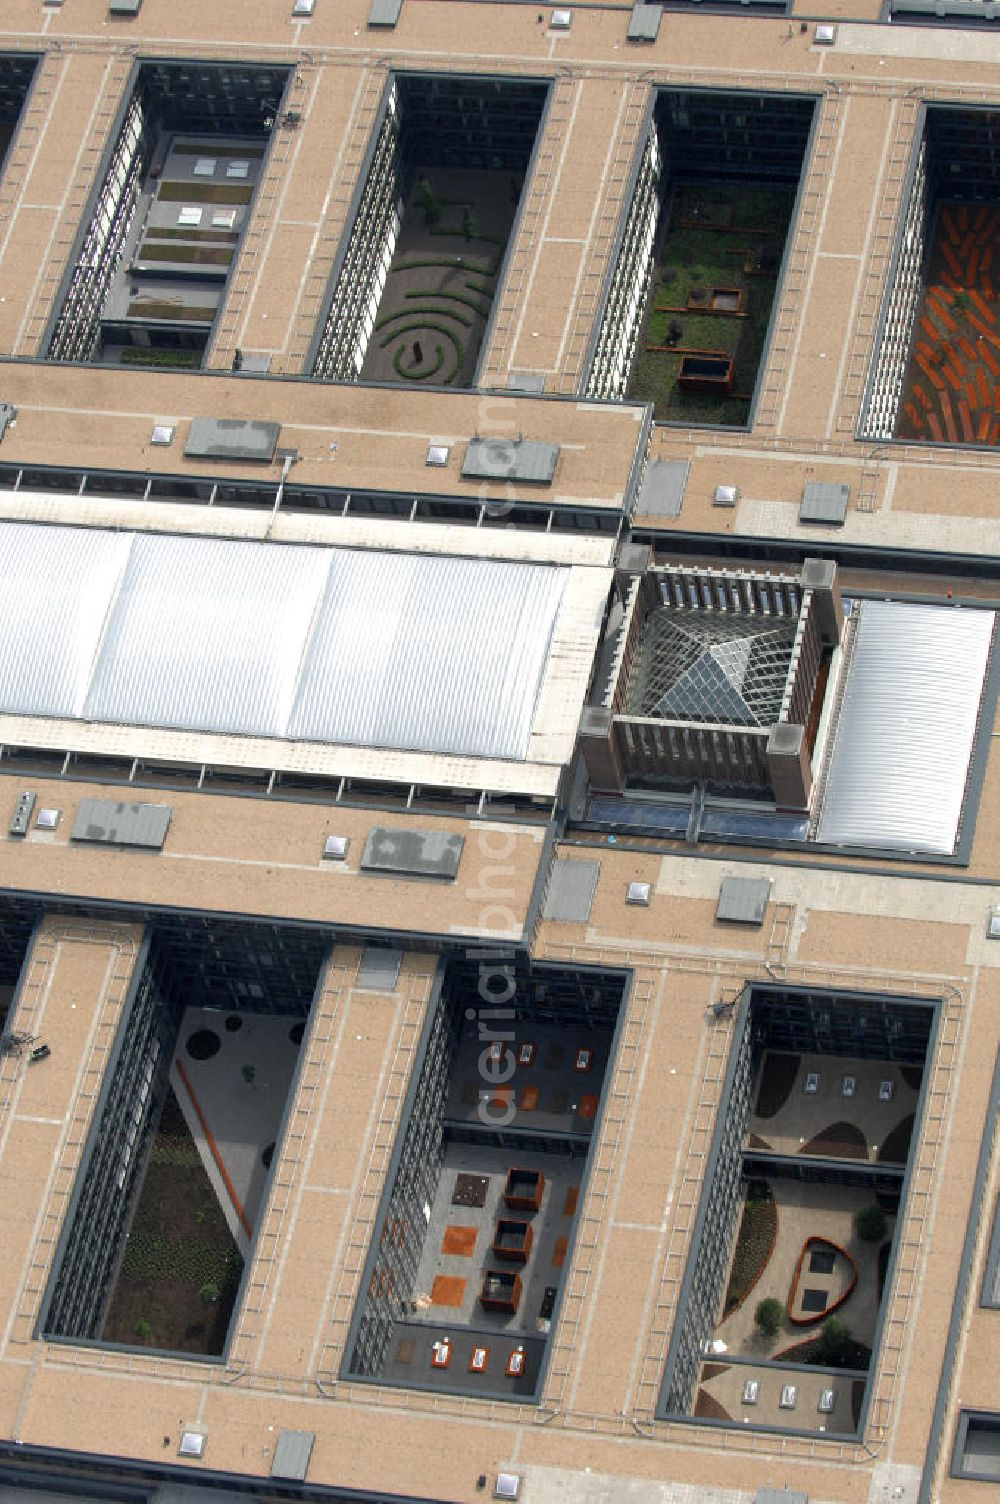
(743, 900)
(109, 823)
(384, 12)
(662, 490)
(510, 459)
(644, 23)
(231, 439)
(412, 853)
(571, 891)
(824, 502)
(291, 1455)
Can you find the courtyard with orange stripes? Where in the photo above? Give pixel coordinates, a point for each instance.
(951, 393)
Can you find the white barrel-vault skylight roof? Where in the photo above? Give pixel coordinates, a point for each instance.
(406, 652)
(899, 764)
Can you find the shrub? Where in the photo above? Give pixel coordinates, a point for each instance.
(767, 1316)
(209, 1292)
(143, 1330)
(870, 1224)
(248, 1072)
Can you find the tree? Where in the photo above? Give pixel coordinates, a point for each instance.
(767, 1316)
(429, 202)
(833, 1343)
(870, 1224)
(469, 226)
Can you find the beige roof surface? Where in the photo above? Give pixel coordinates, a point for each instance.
(900, 927)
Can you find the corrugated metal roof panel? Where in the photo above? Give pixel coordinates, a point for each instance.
(58, 583)
(901, 749)
(431, 654)
(207, 634)
(397, 651)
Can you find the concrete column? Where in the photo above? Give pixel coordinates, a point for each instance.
(820, 576)
(789, 766)
(600, 754)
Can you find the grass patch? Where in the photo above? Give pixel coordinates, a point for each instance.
(195, 255)
(176, 312)
(402, 313)
(460, 263)
(205, 193)
(696, 256)
(215, 149)
(452, 297)
(178, 1243)
(229, 236)
(754, 1243)
(139, 355)
(408, 374)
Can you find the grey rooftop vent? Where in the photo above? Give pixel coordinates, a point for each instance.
(124, 7)
(412, 853)
(300, 8)
(572, 886)
(644, 23)
(107, 823)
(639, 893)
(384, 12)
(743, 900)
(662, 490)
(231, 439)
(163, 433)
(561, 20)
(378, 970)
(825, 35)
(192, 1443)
(824, 502)
(726, 496)
(291, 1455)
(437, 454)
(992, 923)
(510, 459)
(526, 381)
(8, 416)
(335, 848)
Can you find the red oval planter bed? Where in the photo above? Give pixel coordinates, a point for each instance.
(810, 1245)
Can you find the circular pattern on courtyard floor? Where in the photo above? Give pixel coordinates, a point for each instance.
(203, 1044)
(233, 1023)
